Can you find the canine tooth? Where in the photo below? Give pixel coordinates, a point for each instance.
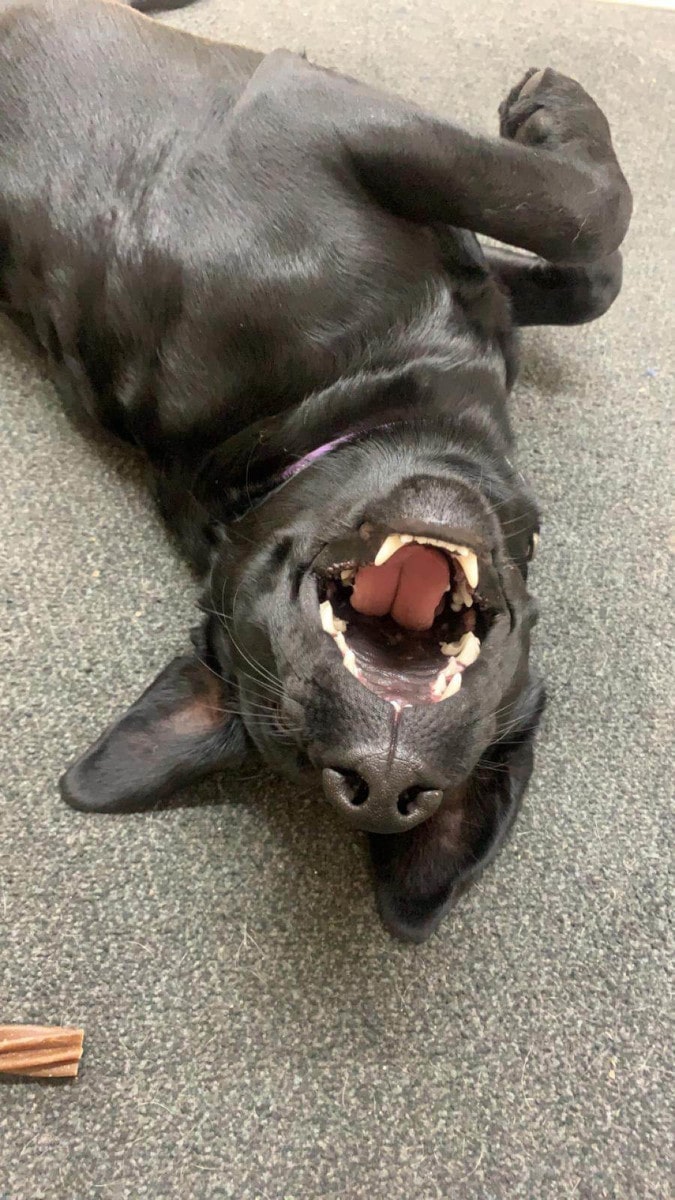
(327, 618)
(390, 545)
(469, 565)
(469, 649)
(453, 687)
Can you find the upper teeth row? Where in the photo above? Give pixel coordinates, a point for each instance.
(461, 554)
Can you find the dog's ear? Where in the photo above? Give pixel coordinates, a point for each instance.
(178, 731)
(419, 875)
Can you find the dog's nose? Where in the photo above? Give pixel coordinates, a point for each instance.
(380, 796)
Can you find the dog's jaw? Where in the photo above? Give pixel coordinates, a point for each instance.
(403, 620)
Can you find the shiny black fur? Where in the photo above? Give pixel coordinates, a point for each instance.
(231, 259)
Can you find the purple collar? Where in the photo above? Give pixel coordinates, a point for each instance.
(265, 491)
(308, 460)
(314, 456)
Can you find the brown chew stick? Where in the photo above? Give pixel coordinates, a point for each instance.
(40, 1051)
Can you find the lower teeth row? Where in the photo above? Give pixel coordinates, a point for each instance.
(462, 654)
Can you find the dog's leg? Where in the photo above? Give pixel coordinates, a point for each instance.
(551, 185)
(542, 293)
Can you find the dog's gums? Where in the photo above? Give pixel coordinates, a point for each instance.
(407, 622)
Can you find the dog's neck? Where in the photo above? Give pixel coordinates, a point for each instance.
(245, 469)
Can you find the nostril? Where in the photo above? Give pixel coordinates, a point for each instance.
(376, 800)
(357, 787)
(407, 801)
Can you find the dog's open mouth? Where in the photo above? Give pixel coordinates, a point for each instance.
(408, 623)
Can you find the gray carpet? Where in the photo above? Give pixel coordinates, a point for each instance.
(251, 1031)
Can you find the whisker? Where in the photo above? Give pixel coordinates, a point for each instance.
(498, 712)
(252, 662)
(255, 666)
(208, 666)
(263, 686)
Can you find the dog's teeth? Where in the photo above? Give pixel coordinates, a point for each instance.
(349, 660)
(394, 541)
(348, 575)
(453, 687)
(340, 642)
(469, 649)
(333, 625)
(444, 677)
(461, 596)
(327, 618)
(466, 650)
(389, 546)
(450, 546)
(469, 565)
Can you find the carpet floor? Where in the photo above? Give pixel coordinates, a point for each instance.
(251, 1031)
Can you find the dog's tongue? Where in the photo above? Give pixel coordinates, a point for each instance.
(409, 587)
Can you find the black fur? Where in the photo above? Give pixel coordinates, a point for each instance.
(232, 259)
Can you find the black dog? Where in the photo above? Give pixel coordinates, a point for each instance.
(260, 273)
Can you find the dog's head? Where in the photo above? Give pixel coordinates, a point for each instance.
(368, 622)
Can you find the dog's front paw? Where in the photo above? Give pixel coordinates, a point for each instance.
(550, 110)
